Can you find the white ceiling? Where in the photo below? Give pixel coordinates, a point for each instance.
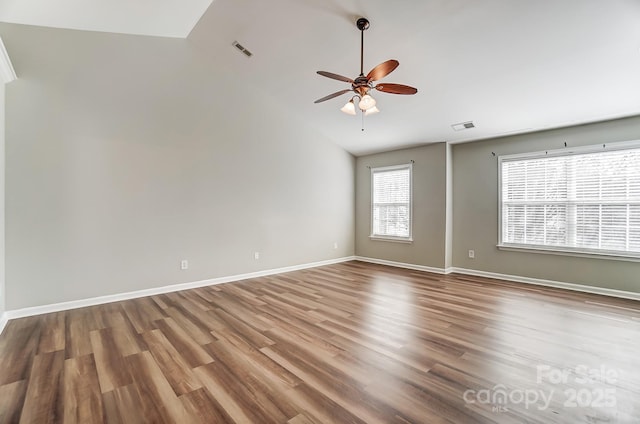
(165, 18)
(509, 66)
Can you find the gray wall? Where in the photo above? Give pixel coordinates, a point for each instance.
(2, 169)
(448, 253)
(126, 154)
(475, 209)
(429, 207)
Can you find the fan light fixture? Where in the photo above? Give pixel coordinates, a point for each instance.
(349, 108)
(371, 111)
(363, 85)
(366, 104)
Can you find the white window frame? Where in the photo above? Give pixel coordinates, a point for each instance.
(373, 236)
(563, 250)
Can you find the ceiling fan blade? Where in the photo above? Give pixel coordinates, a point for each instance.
(331, 96)
(396, 88)
(382, 70)
(335, 76)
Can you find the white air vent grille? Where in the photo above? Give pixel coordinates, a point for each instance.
(463, 126)
(242, 49)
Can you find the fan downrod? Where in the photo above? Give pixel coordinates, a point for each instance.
(362, 24)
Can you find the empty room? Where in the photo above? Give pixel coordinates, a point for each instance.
(320, 211)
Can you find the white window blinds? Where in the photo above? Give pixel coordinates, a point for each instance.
(584, 201)
(391, 202)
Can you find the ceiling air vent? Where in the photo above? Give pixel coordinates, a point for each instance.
(463, 126)
(242, 49)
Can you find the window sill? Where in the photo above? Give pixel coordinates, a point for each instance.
(391, 239)
(593, 254)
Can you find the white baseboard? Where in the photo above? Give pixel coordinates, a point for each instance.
(45, 309)
(550, 283)
(3, 321)
(401, 265)
(514, 278)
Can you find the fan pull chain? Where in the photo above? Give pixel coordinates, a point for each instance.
(362, 115)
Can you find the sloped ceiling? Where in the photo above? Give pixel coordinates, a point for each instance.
(510, 66)
(164, 18)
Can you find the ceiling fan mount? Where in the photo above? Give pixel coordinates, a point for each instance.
(363, 84)
(362, 24)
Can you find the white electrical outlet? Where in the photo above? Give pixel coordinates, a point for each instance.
(335, 245)
(472, 254)
(184, 264)
(256, 255)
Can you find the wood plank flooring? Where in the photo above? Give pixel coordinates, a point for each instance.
(346, 343)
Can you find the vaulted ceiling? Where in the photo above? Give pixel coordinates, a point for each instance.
(510, 66)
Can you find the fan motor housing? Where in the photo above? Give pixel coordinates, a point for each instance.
(361, 85)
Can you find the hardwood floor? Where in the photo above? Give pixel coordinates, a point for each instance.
(346, 343)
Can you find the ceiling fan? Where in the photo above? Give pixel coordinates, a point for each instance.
(363, 84)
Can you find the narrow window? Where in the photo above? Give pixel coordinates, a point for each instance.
(391, 203)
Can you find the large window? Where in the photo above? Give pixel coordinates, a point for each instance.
(391, 203)
(583, 201)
